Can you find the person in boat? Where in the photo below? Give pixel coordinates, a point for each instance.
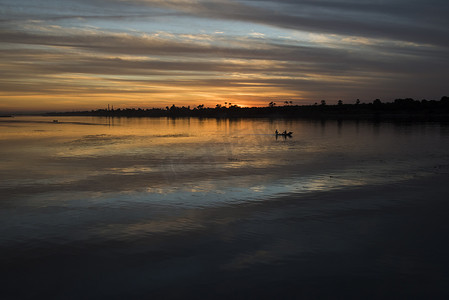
(285, 132)
(277, 132)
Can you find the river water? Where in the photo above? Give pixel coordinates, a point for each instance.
(220, 208)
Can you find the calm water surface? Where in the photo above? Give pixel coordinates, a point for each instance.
(193, 208)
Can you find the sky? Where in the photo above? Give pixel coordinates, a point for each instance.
(65, 55)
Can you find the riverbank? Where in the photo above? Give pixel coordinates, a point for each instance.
(400, 109)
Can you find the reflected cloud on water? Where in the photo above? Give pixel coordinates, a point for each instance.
(166, 154)
(228, 184)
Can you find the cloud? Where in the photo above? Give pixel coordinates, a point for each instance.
(417, 21)
(303, 49)
(421, 22)
(336, 54)
(111, 60)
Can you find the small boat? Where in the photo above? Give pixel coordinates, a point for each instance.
(55, 121)
(284, 133)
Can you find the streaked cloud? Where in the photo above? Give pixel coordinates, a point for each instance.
(155, 53)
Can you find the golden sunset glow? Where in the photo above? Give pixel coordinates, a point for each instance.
(157, 53)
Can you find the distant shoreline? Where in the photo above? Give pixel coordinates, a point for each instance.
(401, 109)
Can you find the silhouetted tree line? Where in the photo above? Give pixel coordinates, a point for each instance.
(399, 108)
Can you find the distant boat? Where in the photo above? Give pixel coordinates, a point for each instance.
(284, 133)
(55, 121)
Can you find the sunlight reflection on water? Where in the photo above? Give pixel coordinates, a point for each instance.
(231, 156)
(203, 195)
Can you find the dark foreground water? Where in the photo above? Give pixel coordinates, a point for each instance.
(103, 208)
